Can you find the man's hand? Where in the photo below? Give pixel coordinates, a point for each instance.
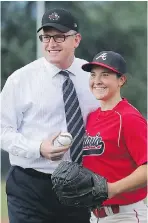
(49, 151)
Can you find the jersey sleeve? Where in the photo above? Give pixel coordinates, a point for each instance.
(135, 136)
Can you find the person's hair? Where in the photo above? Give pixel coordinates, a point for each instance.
(48, 28)
(118, 76)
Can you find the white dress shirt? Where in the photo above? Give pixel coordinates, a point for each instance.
(33, 110)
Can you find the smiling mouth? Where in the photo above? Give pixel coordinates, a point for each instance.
(100, 88)
(54, 51)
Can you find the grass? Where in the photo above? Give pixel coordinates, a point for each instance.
(4, 212)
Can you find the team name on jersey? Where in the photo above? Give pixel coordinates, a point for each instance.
(93, 145)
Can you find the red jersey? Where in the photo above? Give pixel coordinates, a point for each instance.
(115, 145)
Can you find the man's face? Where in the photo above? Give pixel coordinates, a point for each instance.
(61, 53)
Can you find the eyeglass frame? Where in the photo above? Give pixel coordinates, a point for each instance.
(64, 37)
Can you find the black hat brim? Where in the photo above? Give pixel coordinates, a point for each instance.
(88, 67)
(59, 27)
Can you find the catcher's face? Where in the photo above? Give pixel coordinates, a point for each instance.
(59, 49)
(105, 84)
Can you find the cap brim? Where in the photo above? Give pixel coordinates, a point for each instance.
(59, 27)
(88, 66)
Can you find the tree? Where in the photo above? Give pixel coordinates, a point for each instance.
(18, 36)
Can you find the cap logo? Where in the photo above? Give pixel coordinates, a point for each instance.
(103, 56)
(54, 16)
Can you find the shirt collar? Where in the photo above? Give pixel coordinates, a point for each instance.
(53, 70)
(72, 68)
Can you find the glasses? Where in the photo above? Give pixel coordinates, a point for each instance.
(57, 38)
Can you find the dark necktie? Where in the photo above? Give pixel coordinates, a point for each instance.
(74, 119)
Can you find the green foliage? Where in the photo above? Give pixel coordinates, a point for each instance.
(117, 25)
(4, 212)
(18, 37)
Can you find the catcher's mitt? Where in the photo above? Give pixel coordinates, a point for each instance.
(78, 186)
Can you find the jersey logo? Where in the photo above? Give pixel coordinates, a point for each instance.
(93, 145)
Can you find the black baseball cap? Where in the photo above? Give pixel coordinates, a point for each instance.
(108, 59)
(59, 19)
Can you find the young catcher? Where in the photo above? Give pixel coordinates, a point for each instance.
(115, 142)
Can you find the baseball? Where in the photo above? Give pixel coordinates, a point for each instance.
(64, 139)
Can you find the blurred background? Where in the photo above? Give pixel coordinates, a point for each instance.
(104, 25)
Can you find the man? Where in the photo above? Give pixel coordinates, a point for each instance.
(38, 102)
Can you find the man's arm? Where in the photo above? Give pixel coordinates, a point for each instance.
(13, 141)
(11, 117)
